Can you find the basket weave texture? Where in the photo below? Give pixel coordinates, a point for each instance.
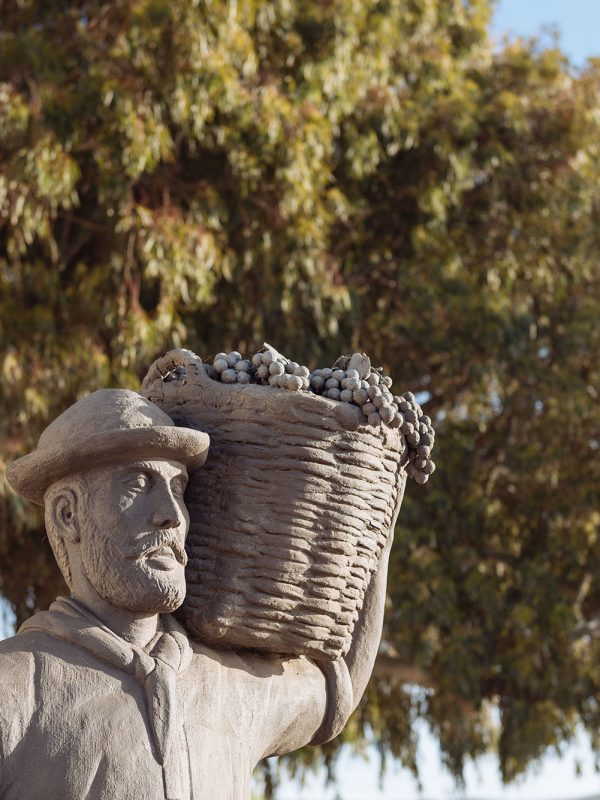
(288, 516)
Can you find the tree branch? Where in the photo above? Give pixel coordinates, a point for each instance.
(590, 627)
(387, 666)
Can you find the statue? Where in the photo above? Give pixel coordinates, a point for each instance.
(105, 695)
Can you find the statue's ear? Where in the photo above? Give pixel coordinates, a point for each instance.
(63, 511)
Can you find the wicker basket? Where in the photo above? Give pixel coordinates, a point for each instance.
(289, 514)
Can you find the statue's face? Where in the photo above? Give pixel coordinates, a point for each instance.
(133, 530)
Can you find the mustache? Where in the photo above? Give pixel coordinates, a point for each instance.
(156, 540)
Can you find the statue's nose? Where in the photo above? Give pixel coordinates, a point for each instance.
(166, 513)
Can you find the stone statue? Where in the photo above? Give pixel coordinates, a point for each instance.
(104, 695)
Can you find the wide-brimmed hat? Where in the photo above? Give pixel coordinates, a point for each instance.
(106, 426)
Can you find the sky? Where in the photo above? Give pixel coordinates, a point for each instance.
(578, 24)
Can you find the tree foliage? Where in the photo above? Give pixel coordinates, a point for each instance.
(335, 176)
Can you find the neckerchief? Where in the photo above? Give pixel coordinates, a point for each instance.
(156, 669)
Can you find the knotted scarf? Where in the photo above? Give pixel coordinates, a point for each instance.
(155, 668)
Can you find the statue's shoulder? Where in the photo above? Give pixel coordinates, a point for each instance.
(245, 664)
(17, 661)
(209, 657)
(17, 688)
(15, 650)
(19, 655)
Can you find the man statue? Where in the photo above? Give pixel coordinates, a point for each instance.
(104, 696)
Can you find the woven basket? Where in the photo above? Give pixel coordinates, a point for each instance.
(289, 514)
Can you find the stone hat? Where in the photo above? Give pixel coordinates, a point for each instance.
(106, 426)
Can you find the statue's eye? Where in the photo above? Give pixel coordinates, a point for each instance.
(138, 482)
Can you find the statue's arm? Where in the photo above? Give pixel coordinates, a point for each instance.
(347, 678)
(360, 659)
(329, 691)
(17, 703)
(309, 701)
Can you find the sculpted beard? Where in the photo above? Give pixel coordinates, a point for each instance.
(121, 575)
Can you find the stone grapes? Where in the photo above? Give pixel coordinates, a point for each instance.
(351, 379)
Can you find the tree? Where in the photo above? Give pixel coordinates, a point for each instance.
(329, 177)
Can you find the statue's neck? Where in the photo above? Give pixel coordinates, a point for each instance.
(137, 628)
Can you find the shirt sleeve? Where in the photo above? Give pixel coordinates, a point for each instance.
(308, 703)
(340, 701)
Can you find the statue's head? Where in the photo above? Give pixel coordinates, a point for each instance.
(111, 472)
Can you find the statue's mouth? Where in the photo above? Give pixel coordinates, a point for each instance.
(164, 555)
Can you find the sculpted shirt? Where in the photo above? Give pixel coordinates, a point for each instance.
(83, 714)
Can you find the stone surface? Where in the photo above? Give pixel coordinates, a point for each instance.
(105, 695)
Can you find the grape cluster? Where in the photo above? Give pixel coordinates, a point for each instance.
(351, 379)
(229, 368)
(267, 367)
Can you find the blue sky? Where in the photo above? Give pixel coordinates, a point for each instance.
(578, 23)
